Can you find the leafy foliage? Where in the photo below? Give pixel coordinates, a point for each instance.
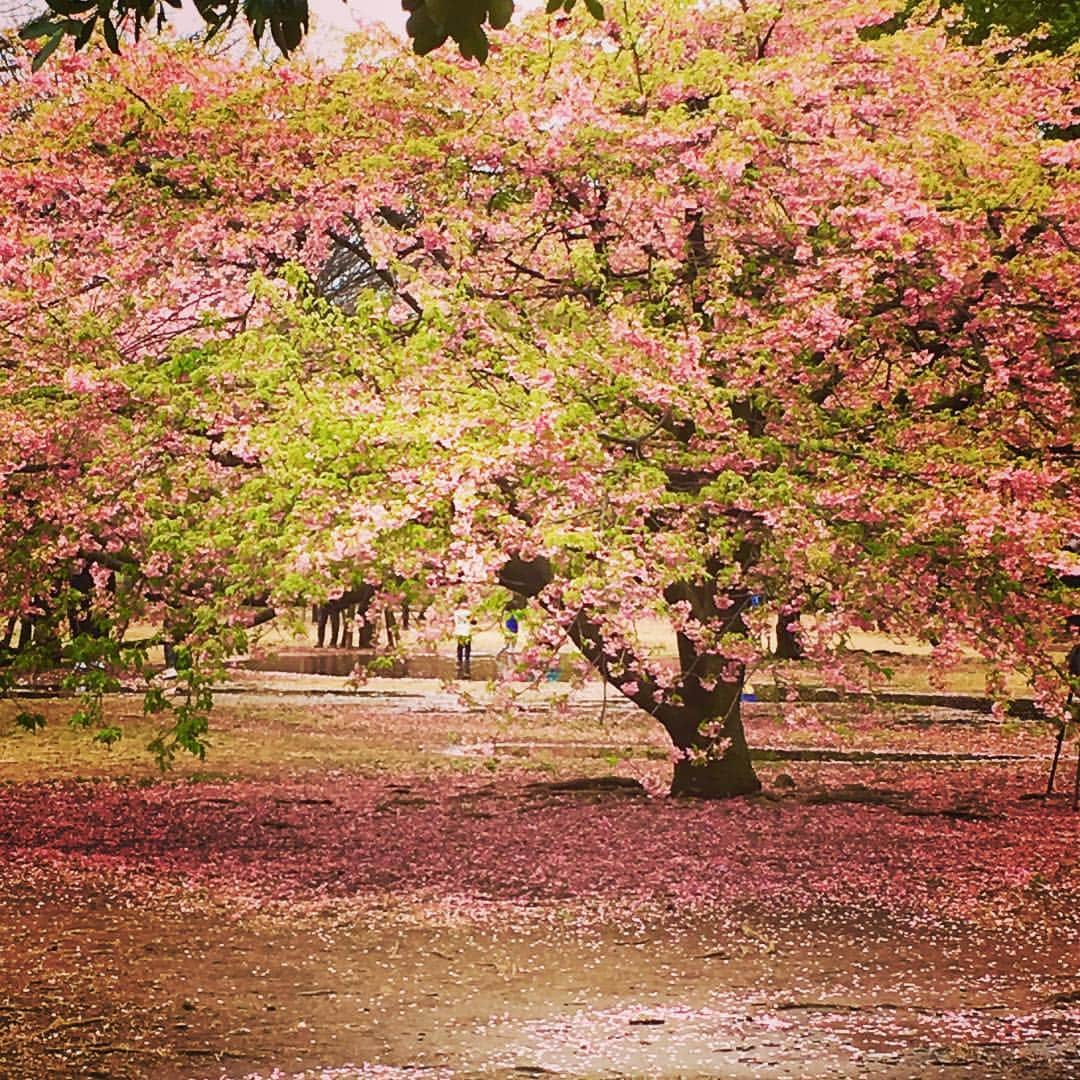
(29, 721)
(108, 736)
(1053, 24)
(431, 23)
(287, 21)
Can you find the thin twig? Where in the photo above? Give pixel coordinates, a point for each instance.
(63, 1025)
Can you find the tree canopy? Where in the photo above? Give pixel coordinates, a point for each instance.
(701, 318)
(431, 23)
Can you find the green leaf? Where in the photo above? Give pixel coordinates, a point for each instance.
(473, 43)
(155, 701)
(107, 736)
(71, 7)
(30, 721)
(111, 38)
(553, 6)
(85, 716)
(426, 35)
(46, 50)
(83, 36)
(42, 26)
(500, 12)
(595, 9)
(164, 754)
(287, 35)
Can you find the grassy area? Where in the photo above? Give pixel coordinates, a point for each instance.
(273, 739)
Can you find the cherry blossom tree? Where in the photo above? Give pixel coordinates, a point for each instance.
(691, 318)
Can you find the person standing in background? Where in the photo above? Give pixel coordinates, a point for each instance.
(464, 624)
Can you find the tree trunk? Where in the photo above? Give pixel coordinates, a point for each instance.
(706, 727)
(705, 722)
(788, 645)
(393, 636)
(713, 768)
(726, 778)
(366, 632)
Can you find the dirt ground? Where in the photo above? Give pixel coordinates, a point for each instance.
(383, 891)
(94, 992)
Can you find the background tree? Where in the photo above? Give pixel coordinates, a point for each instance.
(718, 306)
(431, 23)
(1055, 24)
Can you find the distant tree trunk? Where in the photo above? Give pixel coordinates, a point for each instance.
(25, 627)
(367, 630)
(706, 722)
(788, 645)
(348, 617)
(341, 613)
(393, 635)
(327, 615)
